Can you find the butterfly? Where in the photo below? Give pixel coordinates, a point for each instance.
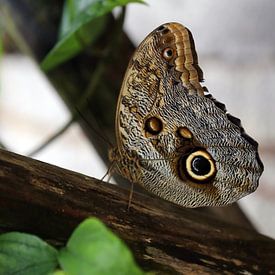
(173, 137)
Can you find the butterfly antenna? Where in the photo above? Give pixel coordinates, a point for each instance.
(94, 129)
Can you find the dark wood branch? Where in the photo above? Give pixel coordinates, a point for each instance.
(50, 201)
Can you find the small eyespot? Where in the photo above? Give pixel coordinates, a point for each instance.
(198, 166)
(168, 54)
(153, 125)
(185, 133)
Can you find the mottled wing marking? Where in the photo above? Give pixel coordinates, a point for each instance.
(173, 139)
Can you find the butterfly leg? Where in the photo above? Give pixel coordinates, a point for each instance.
(130, 196)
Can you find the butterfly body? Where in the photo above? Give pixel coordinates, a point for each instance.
(174, 140)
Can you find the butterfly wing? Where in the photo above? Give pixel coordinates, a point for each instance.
(174, 140)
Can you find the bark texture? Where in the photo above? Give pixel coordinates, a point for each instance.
(49, 201)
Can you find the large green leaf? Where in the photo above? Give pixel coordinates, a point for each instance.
(82, 22)
(94, 249)
(26, 254)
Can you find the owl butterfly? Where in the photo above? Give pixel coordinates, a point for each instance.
(173, 137)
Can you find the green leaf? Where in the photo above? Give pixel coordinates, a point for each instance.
(26, 254)
(73, 43)
(82, 22)
(94, 249)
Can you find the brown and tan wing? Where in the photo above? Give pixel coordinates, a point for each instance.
(174, 140)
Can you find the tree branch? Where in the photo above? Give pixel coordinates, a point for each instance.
(49, 201)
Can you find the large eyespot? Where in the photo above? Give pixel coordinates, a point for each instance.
(198, 166)
(168, 53)
(153, 125)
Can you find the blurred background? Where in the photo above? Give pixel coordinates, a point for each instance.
(235, 44)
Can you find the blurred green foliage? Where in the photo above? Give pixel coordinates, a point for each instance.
(82, 22)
